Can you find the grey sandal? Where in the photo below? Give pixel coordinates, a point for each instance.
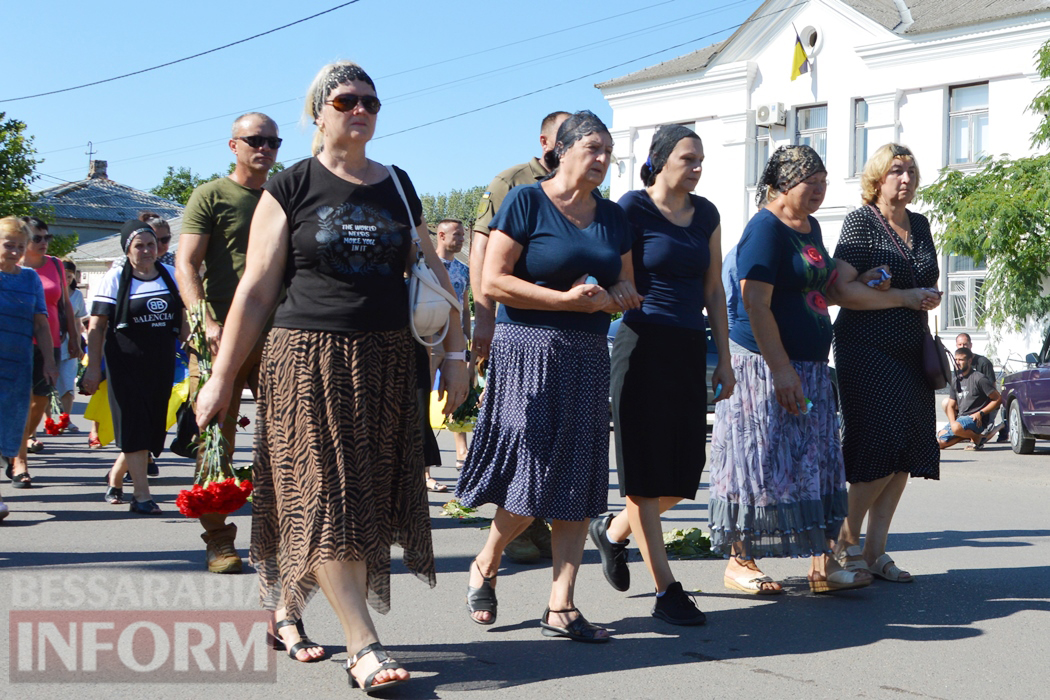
(482, 598)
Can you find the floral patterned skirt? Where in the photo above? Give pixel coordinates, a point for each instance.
(778, 484)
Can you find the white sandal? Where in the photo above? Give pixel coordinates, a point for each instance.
(841, 580)
(852, 559)
(885, 569)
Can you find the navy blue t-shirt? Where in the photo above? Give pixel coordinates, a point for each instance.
(670, 261)
(800, 270)
(556, 253)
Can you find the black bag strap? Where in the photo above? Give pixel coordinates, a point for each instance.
(907, 260)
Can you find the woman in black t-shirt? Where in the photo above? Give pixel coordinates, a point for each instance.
(338, 451)
(135, 318)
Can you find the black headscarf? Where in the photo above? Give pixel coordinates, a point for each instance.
(788, 166)
(128, 232)
(578, 125)
(664, 141)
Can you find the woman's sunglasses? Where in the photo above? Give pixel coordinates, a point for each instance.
(164, 239)
(346, 103)
(43, 237)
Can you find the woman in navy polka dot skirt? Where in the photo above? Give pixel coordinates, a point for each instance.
(558, 261)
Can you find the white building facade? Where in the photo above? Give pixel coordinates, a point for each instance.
(950, 80)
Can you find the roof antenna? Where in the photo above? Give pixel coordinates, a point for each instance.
(90, 152)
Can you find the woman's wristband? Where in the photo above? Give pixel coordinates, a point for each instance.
(458, 355)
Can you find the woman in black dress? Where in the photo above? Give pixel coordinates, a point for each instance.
(888, 410)
(659, 372)
(135, 318)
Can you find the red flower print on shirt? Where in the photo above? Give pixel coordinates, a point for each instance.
(817, 302)
(813, 256)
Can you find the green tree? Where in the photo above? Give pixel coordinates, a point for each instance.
(63, 244)
(178, 185)
(1000, 215)
(457, 204)
(17, 163)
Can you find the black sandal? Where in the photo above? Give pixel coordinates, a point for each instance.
(18, 481)
(278, 643)
(579, 630)
(385, 664)
(482, 598)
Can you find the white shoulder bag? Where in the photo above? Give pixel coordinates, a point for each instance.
(429, 303)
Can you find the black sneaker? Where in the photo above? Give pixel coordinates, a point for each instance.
(152, 469)
(677, 607)
(614, 555)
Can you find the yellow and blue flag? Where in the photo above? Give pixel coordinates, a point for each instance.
(799, 61)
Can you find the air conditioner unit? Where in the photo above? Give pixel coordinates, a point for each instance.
(770, 114)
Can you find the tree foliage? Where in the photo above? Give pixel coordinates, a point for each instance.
(1000, 215)
(17, 163)
(178, 184)
(63, 244)
(457, 204)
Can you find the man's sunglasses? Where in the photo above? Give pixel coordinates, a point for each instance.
(260, 141)
(347, 103)
(43, 238)
(164, 239)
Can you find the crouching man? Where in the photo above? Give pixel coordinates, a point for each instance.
(973, 402)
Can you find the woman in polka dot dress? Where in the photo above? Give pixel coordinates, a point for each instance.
(558, 261)
(888, 410)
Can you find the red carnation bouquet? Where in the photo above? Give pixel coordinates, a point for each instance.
(217, 488)
(52, 427)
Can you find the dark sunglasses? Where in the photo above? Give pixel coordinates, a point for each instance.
(164, 239)
(347, 103)
(260, 141)
(43, 237)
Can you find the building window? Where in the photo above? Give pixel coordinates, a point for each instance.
(965, 302)
(761, 152)
(968, 124)
(860, 135)
(811, 129)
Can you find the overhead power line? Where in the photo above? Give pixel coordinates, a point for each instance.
(471, 54)
(180, 60)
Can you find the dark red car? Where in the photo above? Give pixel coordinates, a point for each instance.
(1026, 401)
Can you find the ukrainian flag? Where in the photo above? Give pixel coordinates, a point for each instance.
(799, 62)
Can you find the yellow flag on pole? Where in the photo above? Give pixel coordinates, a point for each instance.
(799, 61)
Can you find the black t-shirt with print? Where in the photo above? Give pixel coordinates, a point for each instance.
(346, 258)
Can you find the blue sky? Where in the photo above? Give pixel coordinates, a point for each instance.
(430, 60)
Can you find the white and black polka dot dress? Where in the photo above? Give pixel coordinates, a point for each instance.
(888, 411)
(541, 443)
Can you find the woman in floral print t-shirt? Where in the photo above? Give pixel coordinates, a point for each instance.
(778, 485)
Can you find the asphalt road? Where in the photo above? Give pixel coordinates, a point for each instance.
(970, 626)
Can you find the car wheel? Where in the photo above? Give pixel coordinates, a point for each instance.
(1021, 440)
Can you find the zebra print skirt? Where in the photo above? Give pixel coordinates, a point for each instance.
(338, 463)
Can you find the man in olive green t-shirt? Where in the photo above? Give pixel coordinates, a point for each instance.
(215, 228)
(535, 542)
(524, 174)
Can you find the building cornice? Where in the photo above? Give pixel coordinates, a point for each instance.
(903, 52)
(718, 79)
